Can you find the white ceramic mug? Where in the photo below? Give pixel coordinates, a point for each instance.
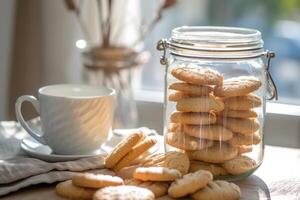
(75, 119)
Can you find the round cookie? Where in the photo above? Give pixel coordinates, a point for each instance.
(242, 102)
(240, 139)
(172, 159)
(209, 132)
(90, 180)
(182, 141)
(244, 149)
(127, 172)
(243, 114)
(192, 73)
(215, 169)
(122, 149)
(193, 118)
(243, 126)
(239, 165)
(153, 159)
(192, 89)
(175, 127)
(237, 86)
(200, 104)
(176, 160)
(156, 174)
(177, 95)
(158, 188)
(219, 153)
(136, 151)
(218, 190)
(189, 183)
(123, 192)
(66, 189)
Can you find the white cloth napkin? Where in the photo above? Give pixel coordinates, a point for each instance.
(17, 170)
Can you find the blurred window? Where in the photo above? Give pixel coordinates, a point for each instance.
(278, 20)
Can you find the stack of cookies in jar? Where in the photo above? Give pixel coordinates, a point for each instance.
(215, 121)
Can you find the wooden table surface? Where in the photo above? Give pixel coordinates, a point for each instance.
(277, 178)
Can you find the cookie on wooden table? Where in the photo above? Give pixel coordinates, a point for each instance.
(243, 126)
(219, 153)
(135, 152)
(122, 149)
(195, 74)
(123, 192)
(192, 89)
(243, 114)
(183, 141)
(172, 159)
(156, 174)
(240, 139)
(90, 180)
(200, 104)
(158, 188)
(215, 169)
(245, 102)
(189, 183)
(239, 165)
(209, 132)
(237, 86)
(127, 172)
(68, 190)
(196, 118)
(218, 190)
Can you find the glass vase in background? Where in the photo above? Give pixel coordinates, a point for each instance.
(116, 68)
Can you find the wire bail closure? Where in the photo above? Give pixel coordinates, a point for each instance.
(269, 55)
(162, 45)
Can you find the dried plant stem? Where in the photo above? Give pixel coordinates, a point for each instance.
(71, 5)
(108, 23)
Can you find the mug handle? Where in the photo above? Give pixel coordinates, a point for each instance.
(20, 118)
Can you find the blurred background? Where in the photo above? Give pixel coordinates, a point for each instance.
(41, 41)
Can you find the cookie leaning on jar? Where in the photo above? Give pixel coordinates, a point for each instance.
(213, 127)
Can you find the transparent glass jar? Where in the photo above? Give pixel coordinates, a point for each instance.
(216, 85)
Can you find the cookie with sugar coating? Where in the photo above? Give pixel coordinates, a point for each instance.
(158, 188)
(183, 141)
(177, 95)
(193, 118)
(245, 102)
(135, 152)
(219, 153)
(189, 183)
(191, 89)
(200, 104)
(215, 169)
(239, 165)
(122, 149)
(243, 126)
(156, 174)
(243, 114)
(90, 180)
(123, 192)
(237, 86)
(67, 189)
(218, 190)
(240, 139)
(209, 132)
(195, 74)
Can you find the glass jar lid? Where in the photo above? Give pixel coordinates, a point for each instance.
(215, 42)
